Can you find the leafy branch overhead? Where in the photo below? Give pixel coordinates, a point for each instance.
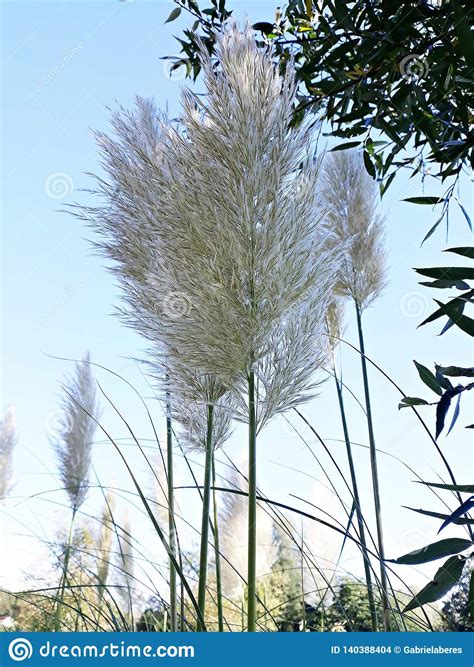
(393, 77)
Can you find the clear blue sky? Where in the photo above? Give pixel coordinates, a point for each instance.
(63, 64)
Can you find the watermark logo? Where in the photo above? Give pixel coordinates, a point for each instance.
(413, 541)
(59, 185)
(414, 305)
(176, 69)
(20, 649)
(414, 67)
(176, 305)
(59, 67)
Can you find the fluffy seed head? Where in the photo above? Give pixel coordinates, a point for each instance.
(8, 440)
(334, 323)
(351, 201)
(222, 215)
(72, 440)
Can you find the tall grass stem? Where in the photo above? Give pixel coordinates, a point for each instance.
(64, 574)
(206, 502)
(171, 521)
(358, 508)
(375, 476)
(220, 612)
(252, 523)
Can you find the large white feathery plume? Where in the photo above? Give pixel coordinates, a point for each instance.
(73, 438)
(247, 256)
(351, 201)
(8, 441)
(222, 216)
(214, 230)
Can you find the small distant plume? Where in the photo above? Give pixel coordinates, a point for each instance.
(8, 440)
(72, 441)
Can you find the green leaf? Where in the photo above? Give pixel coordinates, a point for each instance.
(424, 200)
(343, 147)
(442, 409)
(434, 551)
(448, 272)
(459, 488)
(446, 284)
(464, 322)
(443, 381)
(458, 303)
(173, 15)
(455, 371)
(460, 511)
(410, 401)
(464, 251)
(446, 327)
(462, 521)
(385, 186)
(432, 230)
(428, 378)
(369, 164)
(264, 27)
(445, 578)
(454, 419)
(341, 12)
(465, 214)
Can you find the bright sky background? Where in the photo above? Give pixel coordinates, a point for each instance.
(64, 63)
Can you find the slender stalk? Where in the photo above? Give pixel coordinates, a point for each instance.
(375, 477)
(64, 574)
(182, 624)
(220, 612)
(252, 525)
(171, 521)
(358, 508)
(205, 518)
(303, 606)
